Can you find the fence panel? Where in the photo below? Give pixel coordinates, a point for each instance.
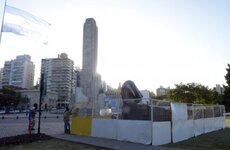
(105, 128)
(135, 131)
(161, 133)
(182, 130)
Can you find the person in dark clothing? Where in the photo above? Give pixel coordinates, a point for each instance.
(66, 116)
(32, 114)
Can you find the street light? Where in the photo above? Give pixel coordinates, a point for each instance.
(40, 100)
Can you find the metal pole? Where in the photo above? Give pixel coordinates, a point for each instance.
(40, 101)
(151, 111)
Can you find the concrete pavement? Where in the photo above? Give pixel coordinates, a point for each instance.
(108, 143)
(11, 126)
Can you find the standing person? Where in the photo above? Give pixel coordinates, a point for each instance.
(32, 114)
(66, 116)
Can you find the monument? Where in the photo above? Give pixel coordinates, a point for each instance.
(90, 81)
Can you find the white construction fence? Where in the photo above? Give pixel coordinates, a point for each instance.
(160, 123)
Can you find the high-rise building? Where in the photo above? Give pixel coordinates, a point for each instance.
(162, 91)
(1, 75)
(90, 81)
(76, 79)
(59, 77)
(19, 72)
(219, 89)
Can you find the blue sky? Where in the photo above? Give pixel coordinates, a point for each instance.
(152, 42)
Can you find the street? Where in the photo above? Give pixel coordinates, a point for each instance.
(15, 124)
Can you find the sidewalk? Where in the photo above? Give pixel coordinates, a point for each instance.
(108, 143)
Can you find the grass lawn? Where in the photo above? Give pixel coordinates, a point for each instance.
(214, 140)
(52, 144)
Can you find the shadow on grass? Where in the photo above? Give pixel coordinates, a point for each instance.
(48, 144)
(22, 139)
(213, 140)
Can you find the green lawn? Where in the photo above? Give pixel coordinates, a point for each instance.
(214, 140)
(52, 144)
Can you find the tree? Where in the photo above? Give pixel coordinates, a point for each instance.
(23, 101)
(193, 93)
(227, 76)
(161, 97)
(226, 96)
(9, 97)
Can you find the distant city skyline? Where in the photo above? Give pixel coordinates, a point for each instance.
(151, 42)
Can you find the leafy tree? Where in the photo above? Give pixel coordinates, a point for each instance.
(227, 76)
(9, 97)
(193, 93)
(226, 96)
(23, 101)
(161, 97)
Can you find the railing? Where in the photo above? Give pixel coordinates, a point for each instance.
(5, 117)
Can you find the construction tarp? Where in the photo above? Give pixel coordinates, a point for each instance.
(220, 123)
(213, 124)
(161, 133)
(209, 125)
(179, 111)
(135, 131)
(104, 128)
(182, 130)
(198, 127)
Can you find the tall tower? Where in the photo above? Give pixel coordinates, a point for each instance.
(90, 37)
(90, 81)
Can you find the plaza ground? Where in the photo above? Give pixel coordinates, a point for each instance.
(53, 125)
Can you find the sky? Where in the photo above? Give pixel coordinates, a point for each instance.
(151, 42)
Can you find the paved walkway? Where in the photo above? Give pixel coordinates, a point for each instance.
(108, 143)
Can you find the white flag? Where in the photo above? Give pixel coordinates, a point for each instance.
(2, 7)
(23, 23)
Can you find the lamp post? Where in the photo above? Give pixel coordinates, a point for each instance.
(40, 100)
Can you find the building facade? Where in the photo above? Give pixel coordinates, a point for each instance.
(146, 96)
(219, 89)
(33, 97)
(90, 81)
(162, 91)
(1, 75)
(76, 79)
(19, 72)
(59, 77)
